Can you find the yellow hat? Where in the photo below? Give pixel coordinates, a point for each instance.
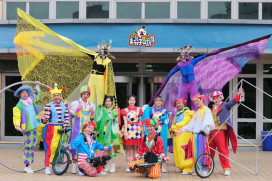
(56, 90)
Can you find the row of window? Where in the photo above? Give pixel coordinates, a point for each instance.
(133, 10)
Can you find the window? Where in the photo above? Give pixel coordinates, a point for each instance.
(247, 130)
(159, 67)
(11, 11)
(97, 9)
(126, 67)
(267, 10)
(249, 69)
(267, 101)
(67, 9)
(248, 10)
(129, 10)
(189, 10)
(39, 10)
(219, 10)
(250, 99)
(157, 10)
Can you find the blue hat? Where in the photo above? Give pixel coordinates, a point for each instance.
(27, 88)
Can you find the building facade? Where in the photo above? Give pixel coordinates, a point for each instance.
(139, 69)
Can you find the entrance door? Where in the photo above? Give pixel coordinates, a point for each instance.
(125, 86)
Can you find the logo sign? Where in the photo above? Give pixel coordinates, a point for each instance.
(141, 38)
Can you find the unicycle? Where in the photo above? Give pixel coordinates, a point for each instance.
(61, 160)
(204, 164)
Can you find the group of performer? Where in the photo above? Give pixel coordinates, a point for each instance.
(143, 132)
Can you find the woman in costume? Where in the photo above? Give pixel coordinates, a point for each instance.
(101, 81)
(83, 111)
(202, 120)
(106, 119)
(25, 121)
(162, 116)
(181, 140)
(56, 117)
(131, 128)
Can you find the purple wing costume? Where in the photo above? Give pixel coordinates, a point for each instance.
(205, 76)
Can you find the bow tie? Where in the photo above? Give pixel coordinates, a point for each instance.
(27, 101)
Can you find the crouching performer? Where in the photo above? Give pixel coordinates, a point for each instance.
(150, 156)
(86, 147)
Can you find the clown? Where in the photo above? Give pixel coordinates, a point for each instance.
(82, 110)
(186, 68)
(132, 127)
(56, 117)
(182, 140)
(86, 146)
(223, 128)
(101, 81)
(162, 116)
(152, 145)
(25, 121)
(202, 121)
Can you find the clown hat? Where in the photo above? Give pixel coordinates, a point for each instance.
(87, 124)
(27, 88)
(216, 94)
(149, 122)
(55, 90)
(85, 89)
(200, 97)
(180, 100)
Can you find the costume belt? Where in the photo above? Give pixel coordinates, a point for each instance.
(133, 122)
(55, 124)
(97, 73)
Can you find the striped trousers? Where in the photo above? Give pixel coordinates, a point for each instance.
(153, 172)
(89, 169)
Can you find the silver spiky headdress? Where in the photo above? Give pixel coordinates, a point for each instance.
(104, 50)
(185, 53)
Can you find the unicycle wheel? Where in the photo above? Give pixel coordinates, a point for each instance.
(61, 162)
(204, 165)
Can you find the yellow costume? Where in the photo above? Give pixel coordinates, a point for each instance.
(182, 143)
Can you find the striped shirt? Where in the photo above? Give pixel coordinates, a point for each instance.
(47, 109)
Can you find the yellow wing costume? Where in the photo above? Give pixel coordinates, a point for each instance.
(48, 57)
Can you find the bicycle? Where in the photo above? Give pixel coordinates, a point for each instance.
(204, 164)
(61, 160)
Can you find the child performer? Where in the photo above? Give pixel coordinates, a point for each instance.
(150, 143)
(131, 129)
(109, 127)
(24, 120)
(57, 116)
(202, 120)
(86, 147)
(223, 128)
(162, 116)
(82, 110)
(181, 140)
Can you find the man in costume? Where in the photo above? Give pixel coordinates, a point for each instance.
(86, 148)
(101, 81)
(162, 116)
(182, 152)
(83, 111)
(151, 144)
(223, 128)
(202, 120)
(25, 121)
(186, 68)
(56, 117)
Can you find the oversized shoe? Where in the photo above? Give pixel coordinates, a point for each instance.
(28, 169)
(112, 168)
